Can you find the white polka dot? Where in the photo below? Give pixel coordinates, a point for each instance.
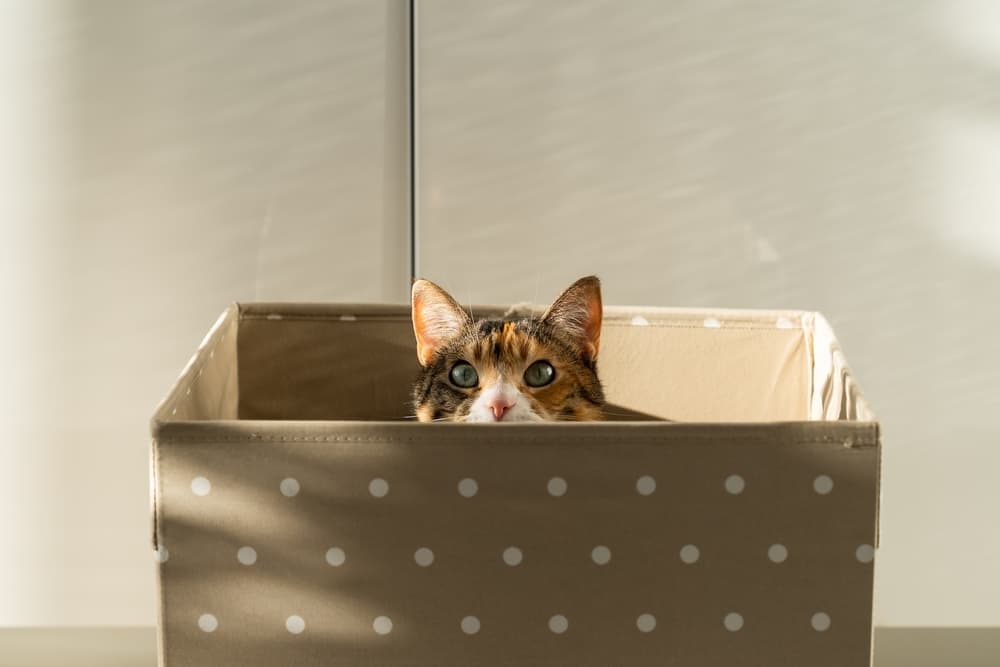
(335, 556)
(777, 553)
(646, 623)
(712, 323)
(289, 487)
(735, 484)
(558, 624)
(378, 487)
(208, 623)
(424, 557)
(161, 554)
(823, 485)
(468, 487)
(601, 555)
(733, 622)
(274, 316)
(645, 485)
(821, 622)
(382, 625)
(640, 321)
(247, 555)
(200, 486)
(512, 556)
(690, 554)
(865, 553)
(470, 625)
(348, 318)
(557, 487)
(174, 411)
(295, 624)
(784, 323)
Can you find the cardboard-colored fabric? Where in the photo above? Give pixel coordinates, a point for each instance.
(315, 530)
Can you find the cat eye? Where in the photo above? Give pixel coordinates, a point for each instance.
(464, 375)
(539, 374)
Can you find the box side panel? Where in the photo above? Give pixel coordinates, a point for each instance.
(208, 386)
(834, 393)
(343, 366)
(692, 373)
(569, 546)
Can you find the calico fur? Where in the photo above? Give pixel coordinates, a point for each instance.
(567, 336)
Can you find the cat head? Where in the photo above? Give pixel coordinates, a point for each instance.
(508, 370)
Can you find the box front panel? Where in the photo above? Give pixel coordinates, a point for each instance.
(517, 546)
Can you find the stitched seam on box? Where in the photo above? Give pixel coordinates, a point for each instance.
(739, 325)
(208, 439)
(158, 521)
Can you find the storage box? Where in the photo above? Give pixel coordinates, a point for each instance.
(301, 519)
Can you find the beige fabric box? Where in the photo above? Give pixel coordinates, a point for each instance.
(301, 519)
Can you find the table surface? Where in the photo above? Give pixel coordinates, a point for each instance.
(136, 647)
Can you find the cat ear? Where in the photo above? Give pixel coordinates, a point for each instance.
(577, 313)
(437, 318)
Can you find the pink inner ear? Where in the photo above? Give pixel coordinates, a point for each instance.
(426, 330)
(593, 327)
(436, 319)
(578, 312)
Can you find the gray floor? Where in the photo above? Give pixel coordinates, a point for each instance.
(136, 647)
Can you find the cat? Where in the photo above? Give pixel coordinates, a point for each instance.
(508, 370)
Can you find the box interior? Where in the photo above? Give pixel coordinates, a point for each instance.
(341, 362)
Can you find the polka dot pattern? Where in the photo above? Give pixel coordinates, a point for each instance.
(645, 485)
(605, 553)
(382, 625)
(289, 487)
(208, 623)
(865, 553)
(823, 485)
(690, 554)
(821, 621)
(200, 486)
(512, 556)
(468, 487)
(557, 487)
(735, 485)
(378, 487)
(601, 555)
(558, 624)
(470, 625)
(336, 557)
(246, 555)
(733, 622)
(295, 624)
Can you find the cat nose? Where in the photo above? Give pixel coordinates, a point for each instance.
(500, 408)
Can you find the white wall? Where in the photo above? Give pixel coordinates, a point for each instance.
(160, 160)
(842, 156)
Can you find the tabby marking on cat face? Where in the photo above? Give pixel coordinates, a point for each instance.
(492, 370)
